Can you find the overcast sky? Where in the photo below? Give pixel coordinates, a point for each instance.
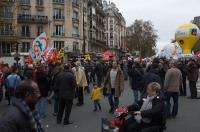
(166, 15)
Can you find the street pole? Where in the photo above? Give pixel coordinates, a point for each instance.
(84, 43)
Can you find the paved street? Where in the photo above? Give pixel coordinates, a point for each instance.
(85, 120)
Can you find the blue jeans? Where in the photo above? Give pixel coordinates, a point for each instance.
(136, 96)
(175, 96)
(113, 101)
(41, 106)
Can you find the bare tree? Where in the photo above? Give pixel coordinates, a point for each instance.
(141, 36)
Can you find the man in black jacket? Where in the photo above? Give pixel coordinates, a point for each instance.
(21, 115)
(66, 84)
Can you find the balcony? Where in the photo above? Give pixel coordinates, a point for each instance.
(9, 1)
(7, 33)
(24, 3)
(98, 42)
(75, 20)
(59, 34)
(25, 34)
(7, 15)
(32, 19)
(75, 5)
(58, 2)
(40, 6)
(75, 35)
(58, 17)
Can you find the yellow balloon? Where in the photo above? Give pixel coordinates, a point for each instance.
(187, 35)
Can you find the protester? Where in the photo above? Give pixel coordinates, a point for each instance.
(193, 75)
(183, 68)
(43, 83)
(96, 96)
(114, 82)
(21, 115)
(66, 84)
(136, 74)
(99, 72)
(54, 90)
(173, 79)
(149, 77)
(12, 81)
(81, 81)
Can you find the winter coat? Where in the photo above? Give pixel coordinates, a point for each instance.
(80, 76)
(65, 85)
(99, 70)
(28, 73)
(96, 93)
(183, 69)
(156, 114)
(43, 83)
(119, 83)
(173, 79)
(192, 72)
(148, 78)
(136, 75)
(15, 119)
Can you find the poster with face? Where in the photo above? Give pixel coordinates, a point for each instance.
(40, 48)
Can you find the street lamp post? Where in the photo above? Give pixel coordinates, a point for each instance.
(16, 56)
(84, 43)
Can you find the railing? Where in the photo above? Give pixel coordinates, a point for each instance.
(6, 14)
(7, 33)
(25, 2)
(75, 35)
(76, 20)
(10, 1)
(58, 17)
(33, 18)
(25, 34)
(60, 34)
(59, 1)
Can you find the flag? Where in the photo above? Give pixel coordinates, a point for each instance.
(40, 48)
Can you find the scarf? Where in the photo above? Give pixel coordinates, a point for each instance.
(147, 105)
(33, 118)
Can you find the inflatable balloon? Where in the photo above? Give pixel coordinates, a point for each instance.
(187, 35)
(171, 51)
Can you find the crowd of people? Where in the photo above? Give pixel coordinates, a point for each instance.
(29, 88)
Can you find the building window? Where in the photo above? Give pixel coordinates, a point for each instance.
(58, 44)
(39, 3)
(75, 46)
(75, 15)
(6, 48)
(6, 29)
(25, 12)
(111, 43)
(75, 31)
(25, 31)
(40, 30)
(25, 46)
(59, 30)
(58, 1)
(6, 11)
(25, 2)
(58, 13)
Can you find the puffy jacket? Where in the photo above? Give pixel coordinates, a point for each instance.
(96, 93)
